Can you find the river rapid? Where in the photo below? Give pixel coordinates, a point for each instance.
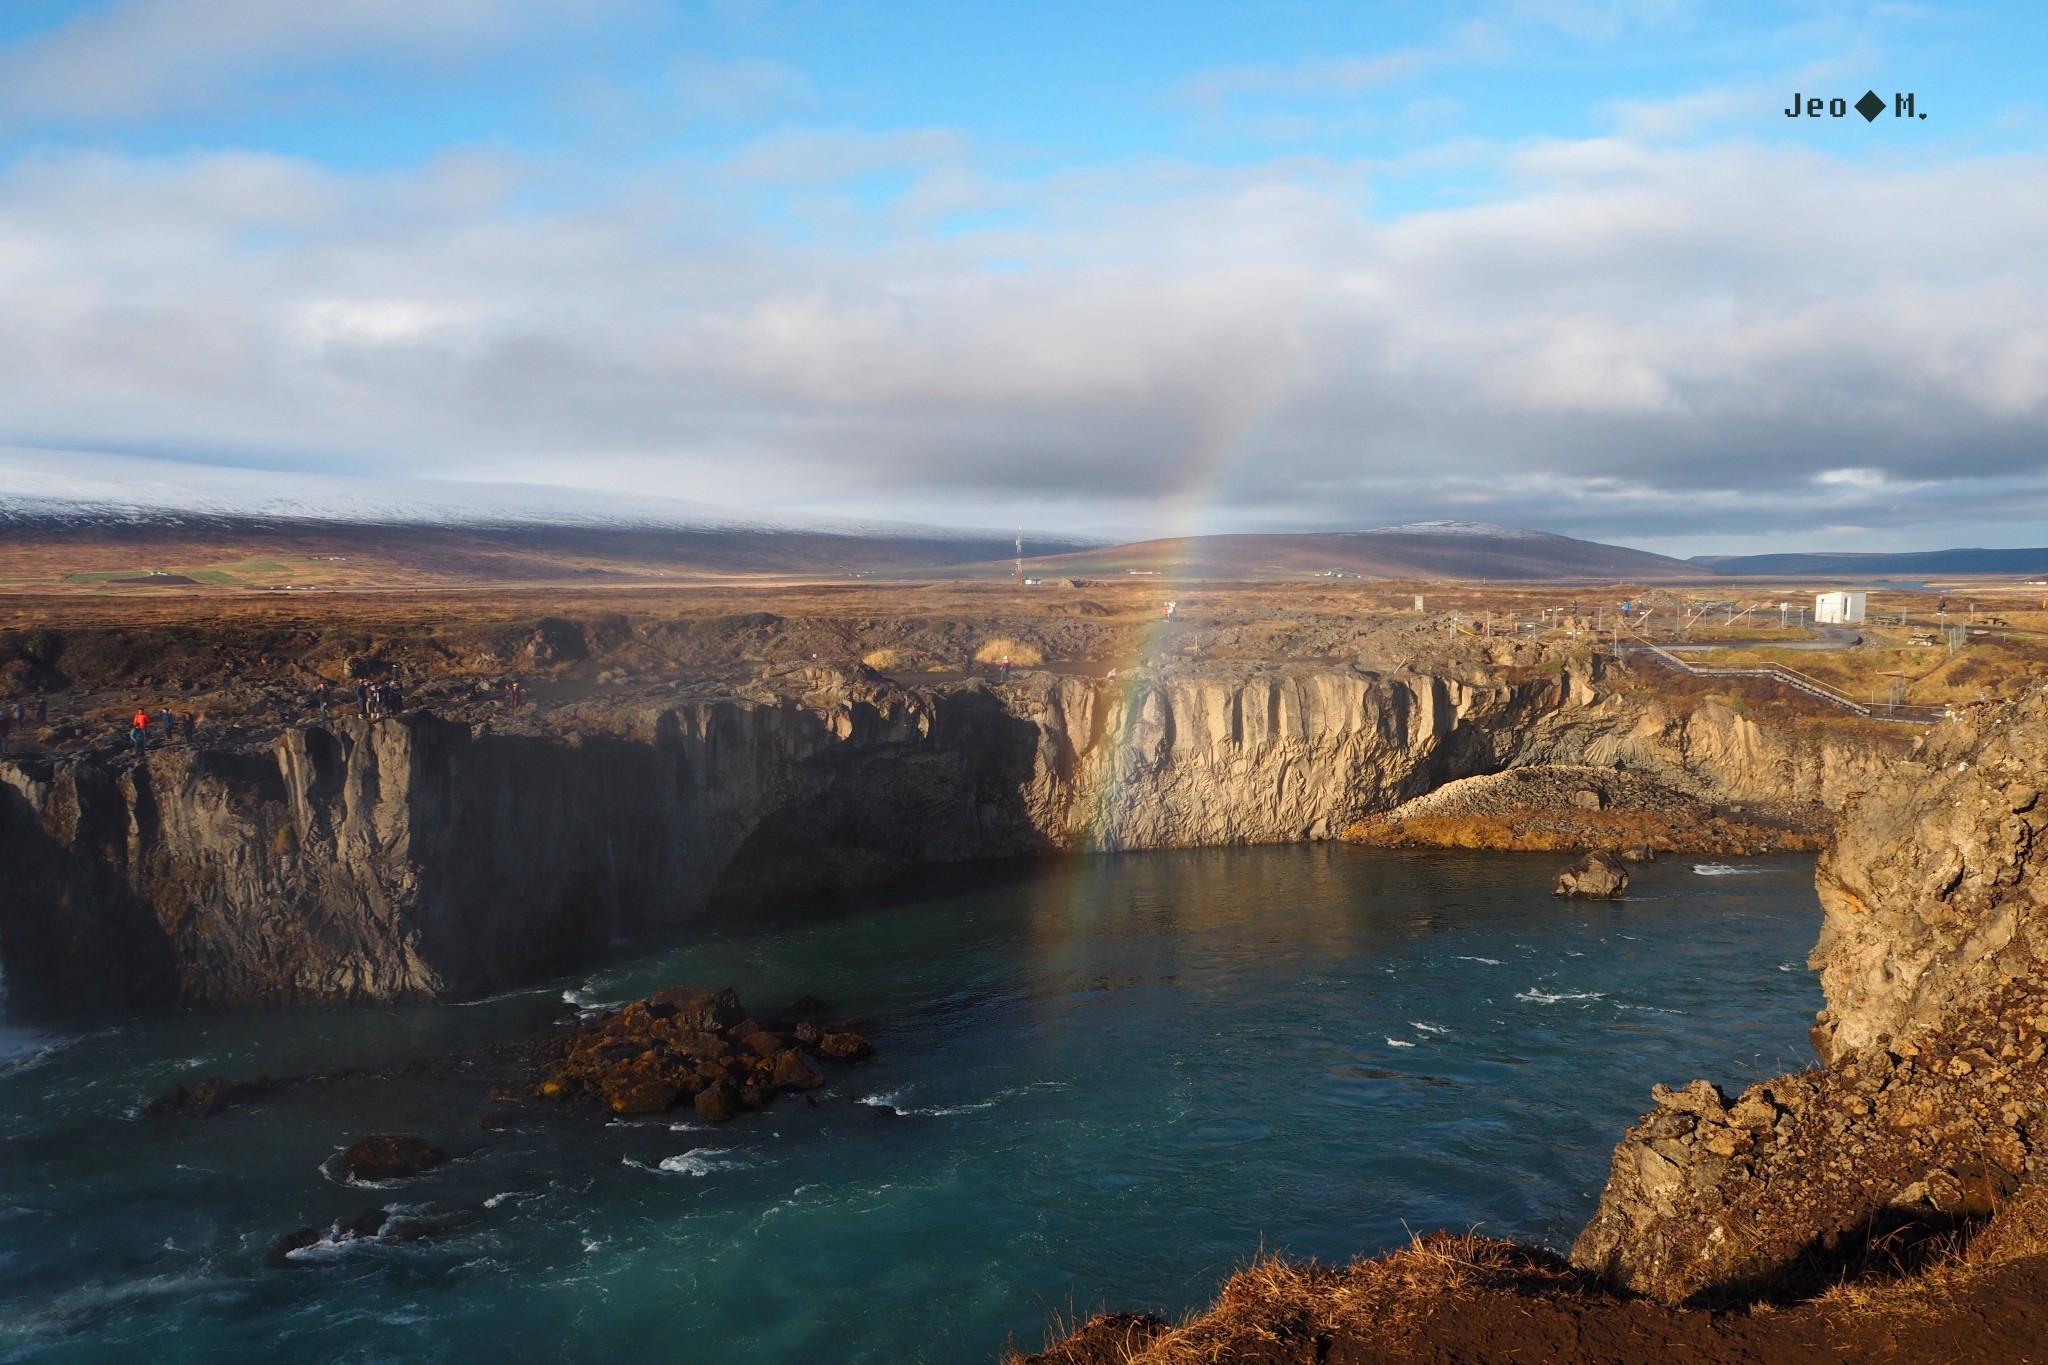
(1102, 1083)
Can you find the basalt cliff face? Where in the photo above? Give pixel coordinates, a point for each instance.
(417, 858)
(1930, 1111)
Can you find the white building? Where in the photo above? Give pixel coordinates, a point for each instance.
(1839, 608)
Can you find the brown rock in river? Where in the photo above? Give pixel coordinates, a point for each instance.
(1597, 876)
(717, 1103)
(845, 1047)
(705, 1009)
(641, 1095)
(792, 1072)
(382, 1156)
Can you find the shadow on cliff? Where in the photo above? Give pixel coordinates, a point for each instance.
(76, 936)
(874, 816)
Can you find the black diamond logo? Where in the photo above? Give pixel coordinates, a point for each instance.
(1870, 106)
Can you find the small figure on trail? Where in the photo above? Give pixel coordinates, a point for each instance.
(42, 710)
(138, 729)
(1005, 672)
(170, 724)
(1112, 675)
(191, 726)
(362, 698)
(6, 730)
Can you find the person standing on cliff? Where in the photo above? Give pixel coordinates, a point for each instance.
(6, 731)
(42, 710)
(191, 726)
(362, 698)
(138, 729)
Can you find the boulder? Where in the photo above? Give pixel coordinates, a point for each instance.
(792, 1072)
(383, 1156)
(296, 1240)
(701, 1008)
(205, 1098)
(845, 1047)
(641, 1095)
(1597, 876)
(718, 1102)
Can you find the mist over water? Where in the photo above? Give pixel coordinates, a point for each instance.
(1112, 1080)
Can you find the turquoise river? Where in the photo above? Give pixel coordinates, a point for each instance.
(1099, 1083)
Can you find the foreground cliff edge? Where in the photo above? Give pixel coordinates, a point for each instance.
(443, 855)
(1890, 1203)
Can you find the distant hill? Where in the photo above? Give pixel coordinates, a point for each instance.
(62, 512)
(1915, 565)
(1420, 550)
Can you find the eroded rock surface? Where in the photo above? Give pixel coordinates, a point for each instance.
(1932, 1102)
(423, 858)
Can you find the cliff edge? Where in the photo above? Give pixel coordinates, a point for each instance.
(1925, 1121)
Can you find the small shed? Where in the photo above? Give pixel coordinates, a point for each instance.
(1839, 608)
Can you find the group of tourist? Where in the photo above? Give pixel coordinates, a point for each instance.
(166, 726)
(375, 700)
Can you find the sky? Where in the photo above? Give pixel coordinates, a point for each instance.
(1120, 269)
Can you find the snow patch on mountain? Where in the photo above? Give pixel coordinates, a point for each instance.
(1458, 528)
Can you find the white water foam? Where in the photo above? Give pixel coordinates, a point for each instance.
(1427, 1028)
(1489, 961)
(1723, 870)
(698, 1161)
(1536, 997)
(1396, 1042)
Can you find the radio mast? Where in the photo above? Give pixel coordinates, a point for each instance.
(1020, 557)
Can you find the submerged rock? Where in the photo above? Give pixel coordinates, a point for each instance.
(384, 1156)
(1597, 876)
(205, 1098)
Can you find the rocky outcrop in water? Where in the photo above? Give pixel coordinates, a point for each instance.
(387, 1156)
(689, 1044)
(1597, 876)
(1931, 1107)
(417, 858)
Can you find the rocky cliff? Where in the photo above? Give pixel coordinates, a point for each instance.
(1926, 1118)
(424, 858)
(417, 858)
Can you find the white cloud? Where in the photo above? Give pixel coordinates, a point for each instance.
(140, 57)
(1679, 341)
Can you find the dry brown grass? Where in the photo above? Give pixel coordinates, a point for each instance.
(882, 660)
(1277, 1309)
(1016, 651)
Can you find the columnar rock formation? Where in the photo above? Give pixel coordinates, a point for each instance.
(1931, 1107)
(417, 858)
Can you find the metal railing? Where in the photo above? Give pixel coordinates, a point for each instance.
(1909, 715)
